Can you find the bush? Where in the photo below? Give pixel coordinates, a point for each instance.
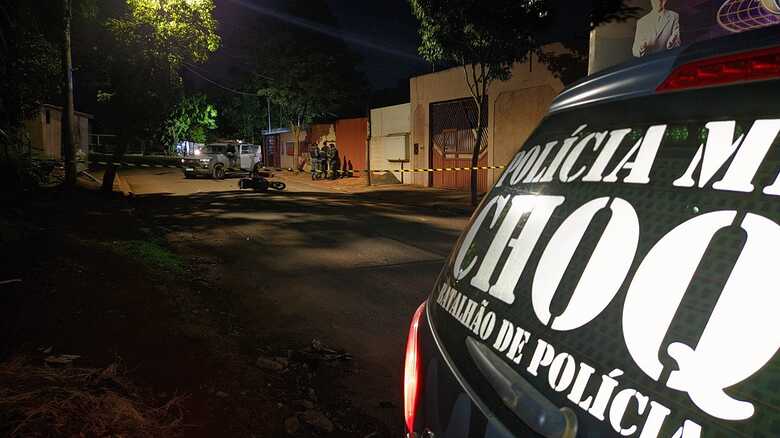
(21, 167)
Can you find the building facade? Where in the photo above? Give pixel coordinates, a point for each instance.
(441, 135)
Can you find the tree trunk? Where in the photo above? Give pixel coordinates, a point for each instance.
(475, 163)
(480, 135)
(110, 173)
(297, 146)
(69, 113)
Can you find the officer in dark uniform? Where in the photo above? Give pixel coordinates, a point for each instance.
(335, 161)
(331, 167)
(323, 171)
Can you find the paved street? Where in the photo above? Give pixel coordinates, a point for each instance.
(315, 262)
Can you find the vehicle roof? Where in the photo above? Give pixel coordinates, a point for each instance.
(641, 77)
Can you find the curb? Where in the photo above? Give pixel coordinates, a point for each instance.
(121, 185)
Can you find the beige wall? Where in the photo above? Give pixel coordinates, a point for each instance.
(46, 138)
(515, 108)
(34, 128)
(288, 161)
(52, 133)
(390, 126)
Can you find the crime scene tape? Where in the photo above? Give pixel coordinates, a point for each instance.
(277, 169)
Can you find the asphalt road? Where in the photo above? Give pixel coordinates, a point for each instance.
(312, 262)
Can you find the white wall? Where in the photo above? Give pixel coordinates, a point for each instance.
(390, 128)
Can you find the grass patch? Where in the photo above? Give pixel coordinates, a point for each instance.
(150, 253)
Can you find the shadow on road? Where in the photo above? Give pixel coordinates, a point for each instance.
(345, 269)
(263, 275)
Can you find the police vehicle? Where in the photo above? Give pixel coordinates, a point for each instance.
(217, 160)
(621, 279)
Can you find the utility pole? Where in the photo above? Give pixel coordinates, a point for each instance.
(368, 148)
(268, 100)
(69, 112)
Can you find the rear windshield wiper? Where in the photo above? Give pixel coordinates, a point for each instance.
(528, 404)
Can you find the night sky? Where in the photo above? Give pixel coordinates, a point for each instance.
(384, 23)
(383, 32)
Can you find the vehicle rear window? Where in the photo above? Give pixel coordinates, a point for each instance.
(624, 265)
(214, 149)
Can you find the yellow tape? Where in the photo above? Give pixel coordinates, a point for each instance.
(277, 169)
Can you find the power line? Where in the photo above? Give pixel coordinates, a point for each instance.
(215, 83)
(226, 88)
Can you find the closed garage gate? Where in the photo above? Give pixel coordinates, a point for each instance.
(452, 143)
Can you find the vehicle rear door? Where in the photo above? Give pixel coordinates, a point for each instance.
(623, 270)
(248, 152)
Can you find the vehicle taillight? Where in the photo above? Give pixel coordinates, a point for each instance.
(412, 370)
(750, 66)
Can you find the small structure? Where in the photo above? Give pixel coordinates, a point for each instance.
(292, 149)
(45, 130)
(389, 143)
(272, 146)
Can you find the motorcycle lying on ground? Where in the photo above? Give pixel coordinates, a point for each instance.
(259, 182)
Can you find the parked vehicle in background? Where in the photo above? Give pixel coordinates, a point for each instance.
(218, 160)
(620, 279)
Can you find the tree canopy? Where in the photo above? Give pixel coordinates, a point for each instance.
(191, 120)
(493, 34)
(310, 76)
(176, 30)
(31, 67)
(149, 42)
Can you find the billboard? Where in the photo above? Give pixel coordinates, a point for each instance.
(668, 24)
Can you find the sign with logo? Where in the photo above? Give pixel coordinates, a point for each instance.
(668, 24)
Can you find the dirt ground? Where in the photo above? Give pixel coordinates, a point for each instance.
(262, 312)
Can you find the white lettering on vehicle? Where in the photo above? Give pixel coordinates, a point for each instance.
(746, 308)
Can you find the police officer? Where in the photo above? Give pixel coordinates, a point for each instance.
(331, 168)
(323, 171)
(335, 161)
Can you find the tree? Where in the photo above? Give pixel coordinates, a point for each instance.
(190, 120)
(242, 117)
(69, 108)
(284, 59)
(30, 73)
(31, 67)
(148, 44)
(312, 76)
(485, 38)
(176, 31)
(303, 93)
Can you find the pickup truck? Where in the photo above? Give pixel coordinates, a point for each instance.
(216, 160)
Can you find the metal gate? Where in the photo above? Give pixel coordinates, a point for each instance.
(453, 138)
(272, 151)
